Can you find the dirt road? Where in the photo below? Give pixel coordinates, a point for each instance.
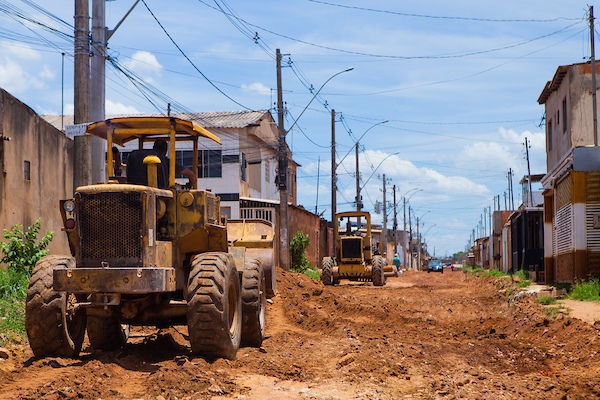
(422, 336)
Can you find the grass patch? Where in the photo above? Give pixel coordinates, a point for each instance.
(547, 300)
(586, 291)
(310, 271)
(552, 311)
(13, 290)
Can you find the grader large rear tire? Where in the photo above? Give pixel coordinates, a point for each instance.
(378, 271)
(214, 311)
(254, 304)
(327, 271)
(55, 328)
(106, 333)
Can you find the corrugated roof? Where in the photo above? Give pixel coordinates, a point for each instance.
(209, 119)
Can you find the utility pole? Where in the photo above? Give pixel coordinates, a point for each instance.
(593, 66)
(81, 80)
(511, 195)
(395, 223)
(333, 179)
(404, 234)
(358, 199)
(418, 247)
(384, 227)
(282, 157)
(528, 173)
(97, 86)
(318, 175)
(410, 237)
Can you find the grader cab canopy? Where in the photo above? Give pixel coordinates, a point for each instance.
(149, 129)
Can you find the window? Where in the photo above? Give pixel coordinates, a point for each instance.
(267, 171)
(549, 134)
(564, 113)
(226, 211)
(210, 164)
(243, 166)
(27, 170)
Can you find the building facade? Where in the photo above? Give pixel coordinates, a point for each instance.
(572, 183)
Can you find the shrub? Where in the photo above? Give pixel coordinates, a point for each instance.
(586, 291)
(547, 300)
(21, 252)
(298, 245)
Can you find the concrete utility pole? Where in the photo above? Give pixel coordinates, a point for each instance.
(384, 227)
(81, 80)
(97, 86)
(528, 174)
(405, 246)
(333, 177)
(395, 223)
(593, 66)
(418, 247)
(282, 170)
(410, 238)
(358, 199)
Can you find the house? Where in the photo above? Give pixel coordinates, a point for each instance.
(572, 183)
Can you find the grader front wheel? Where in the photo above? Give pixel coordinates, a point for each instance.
(254, 304)
(55, 326)
(327, 271)
(214, 310)
(378, 271)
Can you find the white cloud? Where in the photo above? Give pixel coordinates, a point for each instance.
(21, 52)
(258, 88)
(145, 64)
(114, 108)
(15, 79)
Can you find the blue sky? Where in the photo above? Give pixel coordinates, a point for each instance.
(457, 81)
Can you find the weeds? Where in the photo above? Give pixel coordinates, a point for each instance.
(21, 251)
(547, 300)
(552, 311)
(586, 290)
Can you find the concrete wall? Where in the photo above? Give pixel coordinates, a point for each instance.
(49, 154)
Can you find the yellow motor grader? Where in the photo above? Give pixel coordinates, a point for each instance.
(354, 258)
(146, 250)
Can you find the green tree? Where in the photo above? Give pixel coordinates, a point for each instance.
(298, 245)
(22, 251)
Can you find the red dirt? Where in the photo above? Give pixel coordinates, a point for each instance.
(442, 336)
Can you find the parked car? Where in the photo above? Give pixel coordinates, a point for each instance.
(435, 266)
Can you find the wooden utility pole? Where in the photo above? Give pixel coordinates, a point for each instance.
(81, 80)
(528, 174)
(282, 172)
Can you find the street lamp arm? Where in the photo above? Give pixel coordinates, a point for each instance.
(363, 135)
(316, 94)
(375, 170)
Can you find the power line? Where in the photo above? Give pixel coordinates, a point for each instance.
(442, 16)
(190, 61)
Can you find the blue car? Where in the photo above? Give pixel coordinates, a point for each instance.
(435, 266)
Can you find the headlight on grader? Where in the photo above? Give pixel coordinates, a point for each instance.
(69, 206)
